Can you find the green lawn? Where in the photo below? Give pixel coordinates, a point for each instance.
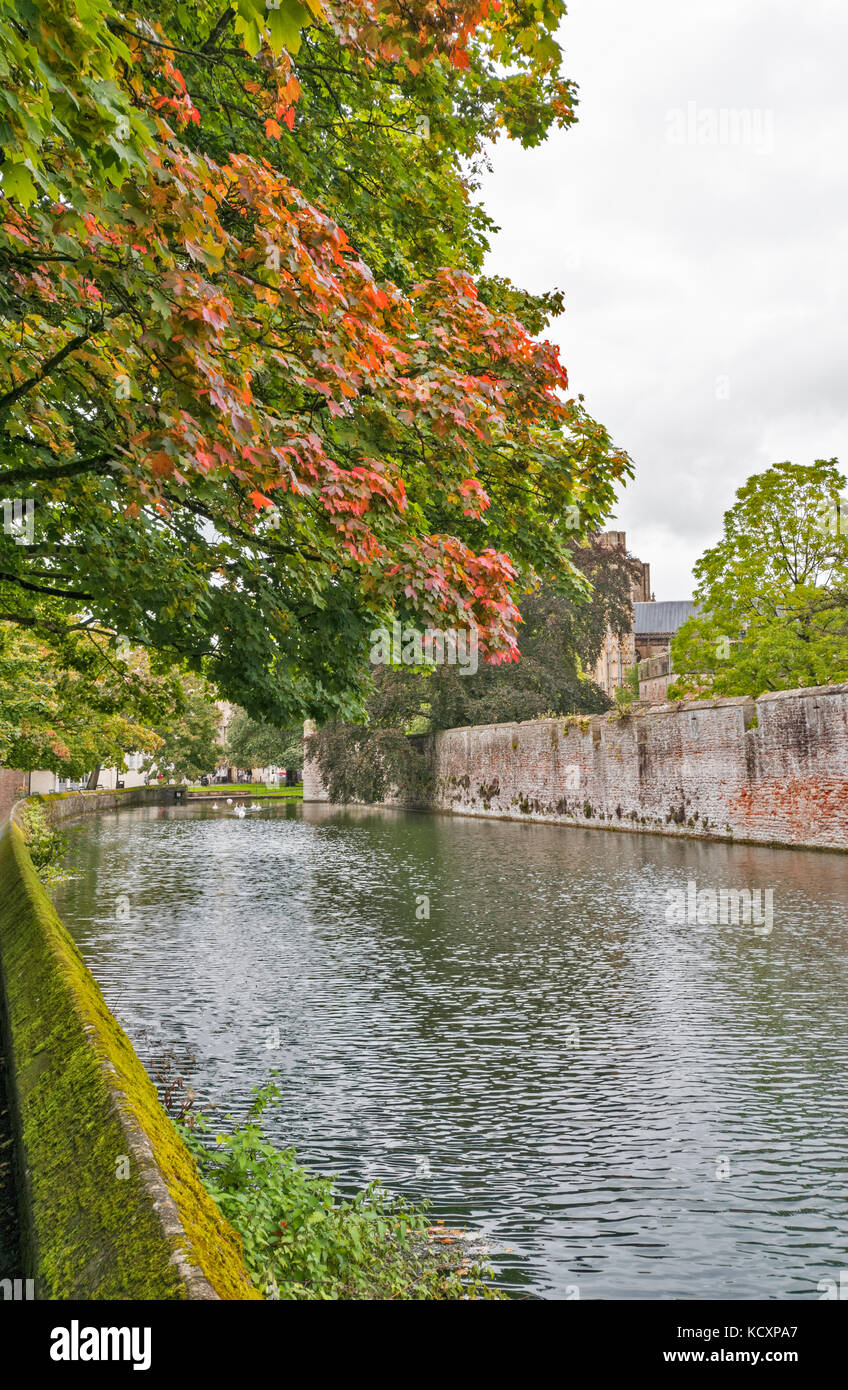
(249, 789)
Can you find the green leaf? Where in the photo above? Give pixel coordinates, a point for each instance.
(18, 184)
(285, 24)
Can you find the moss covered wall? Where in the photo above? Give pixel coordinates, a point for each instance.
(111, 1201)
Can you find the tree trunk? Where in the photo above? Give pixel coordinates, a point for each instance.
(92, 781)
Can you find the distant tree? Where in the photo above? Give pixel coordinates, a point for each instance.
(70, 705)
(251, 743)
(189, 745)
(772, 594)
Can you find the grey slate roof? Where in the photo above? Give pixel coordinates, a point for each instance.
(661, 618)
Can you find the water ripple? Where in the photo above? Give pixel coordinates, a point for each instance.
(622, 1105)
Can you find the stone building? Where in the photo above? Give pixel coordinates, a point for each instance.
(654, 626)
(648, 644)
(618, 654)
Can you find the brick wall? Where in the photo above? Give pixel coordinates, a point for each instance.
(774, 770)
(13, 785)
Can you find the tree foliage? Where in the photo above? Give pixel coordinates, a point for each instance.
(772, 594)
(561, 638)
(70, 706)
(249, 361)
(252, 743)
(188, 743)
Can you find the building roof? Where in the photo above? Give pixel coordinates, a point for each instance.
(661, 618)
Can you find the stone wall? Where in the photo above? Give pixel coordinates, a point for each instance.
(69, 805)
(313, 787)
(771, 771)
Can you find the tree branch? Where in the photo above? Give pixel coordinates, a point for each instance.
(217, 30)
(97, 463)
(47, 367)
(39, 588)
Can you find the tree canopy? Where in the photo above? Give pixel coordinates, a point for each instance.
(251, 374)
(772, 594)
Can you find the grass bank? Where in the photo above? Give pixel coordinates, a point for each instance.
(257, 789)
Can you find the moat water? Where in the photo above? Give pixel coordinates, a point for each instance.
(500, 1018)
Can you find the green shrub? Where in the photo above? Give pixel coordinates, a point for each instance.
(302, 1240)
(44, 844)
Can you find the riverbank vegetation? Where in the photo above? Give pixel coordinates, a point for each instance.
(303, 1240)
(46, 845)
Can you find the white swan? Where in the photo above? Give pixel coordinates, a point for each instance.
(240, 812)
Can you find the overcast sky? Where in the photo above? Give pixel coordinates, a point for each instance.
(703, 262)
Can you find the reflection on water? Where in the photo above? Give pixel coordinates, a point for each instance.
(627, 1106)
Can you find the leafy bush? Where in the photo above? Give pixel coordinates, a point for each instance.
(302, 1240)
(45, 845)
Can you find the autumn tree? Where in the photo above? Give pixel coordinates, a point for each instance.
(72, 706)
(252, 377)
(772, 593)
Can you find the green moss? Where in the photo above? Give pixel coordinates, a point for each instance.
(89, 1233)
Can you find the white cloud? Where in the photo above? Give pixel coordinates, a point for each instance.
(686, 263)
